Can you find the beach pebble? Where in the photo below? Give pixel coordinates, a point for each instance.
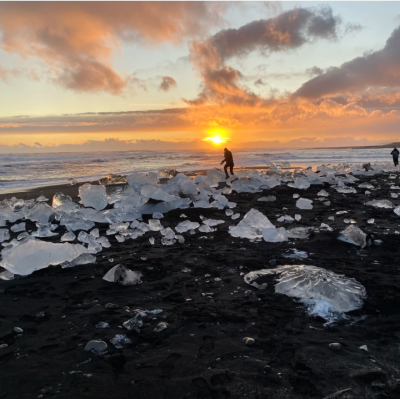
(335, 346)
(161, 327)
(96, 346)
(248, 293)
(249, 341)
(18, 330)
(111, 306)
(2, 346)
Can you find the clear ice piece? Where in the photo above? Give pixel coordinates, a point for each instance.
(311, 284)
(157, 215)
(135, 322)
(323, 193)
(120, 274)
(41, 198)
(353, 235)
(69, 236)
(269, 198)
(155, 225)
(186, 225)
(120, 341)
(83, 259)
(304, 203)
(252, 225)
(16, 228)
(228, 212)
(383, 204)
(93, 196)
(299, 232)
(274, 235)
(62, 202)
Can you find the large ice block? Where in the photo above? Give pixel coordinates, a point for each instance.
(252, 225)
(93, 196)
(353, 235)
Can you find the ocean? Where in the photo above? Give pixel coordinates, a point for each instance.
(19, 172)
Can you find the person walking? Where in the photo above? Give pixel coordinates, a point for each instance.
(395, 153)
(228, 162)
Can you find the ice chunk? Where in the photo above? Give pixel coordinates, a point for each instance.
(95, 233)
(41, 198)
(186, 225)
(304, 203)
(62, 202)
(6, 275)
(346, 190)
(299, 232)
(34, 254)
(383, 204)
(120, 226)
(73, 224)
(157, 215)
(69, 236)
(137, 179)
(85, 237)
(366, 185)
(103, 241)
(353, 235)
(395, 210)
(269, 198)
(285, 219)
(155, 225)
(301, 183)
(325, 227)
(371, 221)
(274, 235)
(323, 193)
(235, 216)
(167, 241)
(296, 254)
(341, 212)
(120, 238)
(157, 194)
(120, 274)
(168, 233)
(93, 196)
(135, 322)
(82, 259)
(252, 225)
(152, 240)
(311, 284)
(204, 228)
(112, 179)
(44, 230)
(213, 222)
(16, 228)
(120, 341)
(297, 217)
(296, 196)
(41, 213)
(228, 212)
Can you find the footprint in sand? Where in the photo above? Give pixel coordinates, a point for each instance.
(208, 345)
(167, 366)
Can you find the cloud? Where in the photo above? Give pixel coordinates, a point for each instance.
(314, 71)
(167, 83)
(289, 30)
(38, 144)
(259, 82)
(74, 41)
(376, 69)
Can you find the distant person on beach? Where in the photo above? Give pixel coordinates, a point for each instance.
(229, 162)
(395, 153)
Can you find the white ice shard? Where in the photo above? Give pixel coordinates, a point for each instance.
(95, 233)
(4, 235)
(252, 225)
(323, 193)
(304, 203)
(228, 212)
(103, 241)
(120, 341)
(285, 219)
(353, 235)
(301, 183)
(152, 240)
(235, 216)
(93, 196)
(186, 225)
(83, 259)
(16, 228)
(204, 228)
(73, 223)
(366, 185)
(296, 254)
(157, 215)
(311, 284)
(62, 202)
(299, 232)
(274, 235)
(383, 204)
(269, 198)
(69, 236)
(44, 230)
(157, 194)
(346, 190)
(396, 210)
(297, 217)
(213, 222)
(155, 225)
(41, 213)
(34, 254)
(120, 274)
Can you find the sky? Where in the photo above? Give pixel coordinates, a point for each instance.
(92, 76)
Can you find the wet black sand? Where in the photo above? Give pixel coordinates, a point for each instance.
(201, 354)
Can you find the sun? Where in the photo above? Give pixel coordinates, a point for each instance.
(216, 139)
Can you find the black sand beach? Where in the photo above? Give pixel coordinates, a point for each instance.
(201, 355)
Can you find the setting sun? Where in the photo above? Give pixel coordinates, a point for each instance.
(216, 138)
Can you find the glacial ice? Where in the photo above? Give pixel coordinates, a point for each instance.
(155, 225)
(228, 212)
(120, 341)
(296, 254)
(62, 202)
(186, 225)
(82, 259)
(213, 222)
(41, 213)
(252, 225)
(301, 183)
(304, 203)
(93, 196)
(353, 235)
(383, 204)
(157, 215)
(269, 198)
(396, 210)
(323, 193)
(33, 254)
(73, 224)
(45, 230)
(274, 235)
(311, 284)
(68, 236)
(120, 274)
(16, 228)
(299, 232)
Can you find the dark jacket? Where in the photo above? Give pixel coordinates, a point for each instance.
(395, 153)
(228, 158)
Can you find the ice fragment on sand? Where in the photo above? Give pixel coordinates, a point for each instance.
(371, 221)
(235, 216)
(6, 275)
(4, 235)
(120, 274)
(183, 216)
(204, 228)
(285, 219)
(44, 230)
(120, 341)
(301, 183)
(366, 185)
(353, 235)
(152, 240)
(274, 235)
(228, 212)
(161, 327)
(395, 210)
(96, 347)
(296, 196)
(346, 190)
(297, 217)
(311, 284)
(135, 322)
(102, 324)
(69, 236)
(103, 241)
(157, 194)
(40, 213)
(33, 255)
(269, 198)
(95, 233)
(62, 202)
(385, 204)
(299, 232)
(187, 225)
(341, 212)
(304, 203)
(82, 259)
(252, 225)
(93, 196)
(16, 228)
(213, 222)
(157, 215)
(155, 225)
(73, 224)
(120, 238)
(296, 254)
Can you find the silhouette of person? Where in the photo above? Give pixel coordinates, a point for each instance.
(229, 162)
(395, 153)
